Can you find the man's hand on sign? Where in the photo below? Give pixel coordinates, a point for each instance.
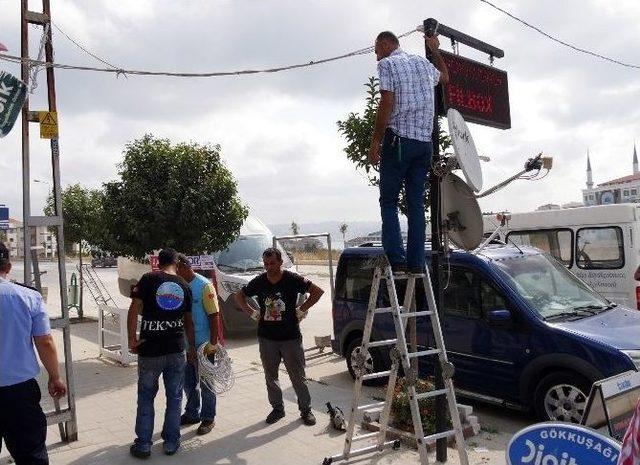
(255, 315)
(432, 42)
(56, 388)
(301, 314)
(134, 345)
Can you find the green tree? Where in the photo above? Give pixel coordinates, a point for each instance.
(171, 195)
(83, 222)
(343, 230)
(357, 129)
(295, 229)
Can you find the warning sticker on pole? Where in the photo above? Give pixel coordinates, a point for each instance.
(48, 124)
(12, 95)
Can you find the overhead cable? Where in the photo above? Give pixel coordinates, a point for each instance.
(562, 42)
(118, 71)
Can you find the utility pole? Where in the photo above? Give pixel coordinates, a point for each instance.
(65, 418)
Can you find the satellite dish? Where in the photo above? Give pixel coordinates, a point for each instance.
(461, 213)
(465, 149)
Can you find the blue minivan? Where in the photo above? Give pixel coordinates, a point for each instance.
(521, 330)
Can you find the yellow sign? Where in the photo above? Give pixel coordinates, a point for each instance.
(48, 124)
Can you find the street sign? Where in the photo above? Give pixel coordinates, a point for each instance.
(4, 217)
(12, 95)
(48, 124)
(611, 404)
(556, 443)
(479, 92)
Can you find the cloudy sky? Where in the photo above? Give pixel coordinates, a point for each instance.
(278, 132)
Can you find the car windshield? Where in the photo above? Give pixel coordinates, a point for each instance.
(245, 254)
(550, 289)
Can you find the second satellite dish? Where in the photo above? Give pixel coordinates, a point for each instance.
(461, 213)
(465, 149)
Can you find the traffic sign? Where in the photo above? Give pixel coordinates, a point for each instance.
(48, 124)
(12, 95)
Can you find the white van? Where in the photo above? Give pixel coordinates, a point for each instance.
(234, 267)
(598, 244)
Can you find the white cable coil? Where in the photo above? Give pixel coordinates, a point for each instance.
(217, 375)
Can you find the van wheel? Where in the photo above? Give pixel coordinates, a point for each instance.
(374, 362)
(562, 396)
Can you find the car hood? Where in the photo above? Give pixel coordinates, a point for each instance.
(618, 327)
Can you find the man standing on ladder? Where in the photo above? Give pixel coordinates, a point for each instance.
(402, 143)
(204, 313)
(23, 323)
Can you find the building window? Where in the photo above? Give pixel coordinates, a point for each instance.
(634, 191)
(625, 193)
(590, 196)
(600, 248)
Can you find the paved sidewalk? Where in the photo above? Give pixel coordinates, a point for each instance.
(106, 405)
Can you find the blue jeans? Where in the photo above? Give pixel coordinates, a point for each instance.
(171, 367)
(192, 409)
(404, 161)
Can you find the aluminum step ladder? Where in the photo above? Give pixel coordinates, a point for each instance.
(96, 287)
(400, 356)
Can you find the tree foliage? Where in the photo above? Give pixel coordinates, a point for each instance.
(358, 128)
(82, 215)
(295, 229)
(181, 196)
(343, 229)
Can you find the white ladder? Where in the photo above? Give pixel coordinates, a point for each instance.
(400, 355)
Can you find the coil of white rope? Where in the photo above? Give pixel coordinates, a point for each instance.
(217, 375)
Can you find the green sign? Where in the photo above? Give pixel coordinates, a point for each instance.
(12, 94)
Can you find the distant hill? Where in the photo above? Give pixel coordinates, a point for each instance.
(355, 229)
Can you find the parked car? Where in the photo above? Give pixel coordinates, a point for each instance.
(237, 265)
(106, 261)
(521, 330)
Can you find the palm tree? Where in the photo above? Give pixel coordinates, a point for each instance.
(295, 229)
(343, 230)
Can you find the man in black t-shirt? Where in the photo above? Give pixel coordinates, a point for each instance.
(279, 334)
(164, 301)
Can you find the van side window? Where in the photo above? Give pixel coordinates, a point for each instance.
(557, 242)
(491, 300)
(600, 248)
(355, 282)
(462, 295)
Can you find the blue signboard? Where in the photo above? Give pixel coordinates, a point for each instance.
(4, 217)
(561, 444)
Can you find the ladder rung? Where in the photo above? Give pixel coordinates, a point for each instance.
(422, 353)
(416, 314)
(362, 437)
(386, 342)
(33, 17)
(436, 436)
(408, 276)
(380, 374)
(387, 310)
(372, 406)
(426, 395)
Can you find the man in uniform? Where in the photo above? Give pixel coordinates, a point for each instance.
(23, 323)
(279, 334)
(164, 300)
(204, 313)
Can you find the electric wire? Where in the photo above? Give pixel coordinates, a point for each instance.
(562, 42)
(218, 375)
(121, 71)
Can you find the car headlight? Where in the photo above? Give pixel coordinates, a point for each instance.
(231, 287)
(634, 355)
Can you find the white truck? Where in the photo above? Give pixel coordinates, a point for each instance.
(599, 244)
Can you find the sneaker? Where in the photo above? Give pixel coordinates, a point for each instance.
(140, 452)
(274, 416)
(205, 427)
(187, 420)
(308, 418)
(171, 448)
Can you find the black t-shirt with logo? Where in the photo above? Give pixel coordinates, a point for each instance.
(165, 297)
(277, 302)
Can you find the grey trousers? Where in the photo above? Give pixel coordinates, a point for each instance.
(292, 354)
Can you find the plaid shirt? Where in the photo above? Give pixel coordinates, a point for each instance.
(411, 78)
